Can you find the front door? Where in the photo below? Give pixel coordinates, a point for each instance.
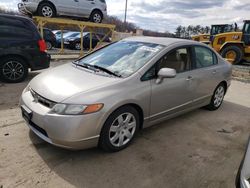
(68, 7)
(246, 33)
(85, 7)
(173, 94)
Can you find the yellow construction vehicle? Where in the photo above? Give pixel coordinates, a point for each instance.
(215, 29)
(204, 38)
(234, 46)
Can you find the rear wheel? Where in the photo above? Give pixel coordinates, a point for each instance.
(46, 10)
(96, 16)
(119, 129)
(217, 97)
(13, 70)
(233, 53)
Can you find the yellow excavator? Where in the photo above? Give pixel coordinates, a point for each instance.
(234, 46)
(215, 29)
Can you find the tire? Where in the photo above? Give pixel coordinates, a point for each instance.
(46, 10)
(13, 69)
(96, 16)
(122, 132)
(217, 97)
(49, 45)
(234, 49)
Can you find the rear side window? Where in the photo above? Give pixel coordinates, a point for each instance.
(15, 32)
(204, 57)
(15, 29)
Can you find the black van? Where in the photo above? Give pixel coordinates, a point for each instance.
(21, 48)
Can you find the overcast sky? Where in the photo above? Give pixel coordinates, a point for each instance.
(166, 15)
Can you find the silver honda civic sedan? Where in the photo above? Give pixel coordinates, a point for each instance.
(106, 97)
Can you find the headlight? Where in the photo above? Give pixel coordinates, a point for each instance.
(27, 89)
(75, 109)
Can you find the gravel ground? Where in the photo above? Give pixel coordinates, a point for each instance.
(241, 73)
(198, 149)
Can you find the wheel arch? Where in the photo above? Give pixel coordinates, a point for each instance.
(136, 107)
(18, 56)
(224, 83)
(226, 44)
(96, 9)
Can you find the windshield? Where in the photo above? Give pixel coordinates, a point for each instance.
(123, 58)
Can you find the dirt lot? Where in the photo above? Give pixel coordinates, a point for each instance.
(198, 149)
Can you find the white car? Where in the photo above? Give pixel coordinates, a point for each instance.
(94, 10)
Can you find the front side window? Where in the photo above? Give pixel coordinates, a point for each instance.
(124, 57)
(178, 59)
(204, 57)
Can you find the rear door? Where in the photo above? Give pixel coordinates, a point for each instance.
(206, 73)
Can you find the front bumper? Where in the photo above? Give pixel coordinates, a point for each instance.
(243, 175)
(27, 7)
(71, 132)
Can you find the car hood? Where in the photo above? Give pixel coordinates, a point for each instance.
(67, 80)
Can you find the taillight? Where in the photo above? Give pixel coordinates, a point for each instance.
(42, 45)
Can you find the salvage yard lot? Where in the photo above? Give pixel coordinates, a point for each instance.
(198, 149)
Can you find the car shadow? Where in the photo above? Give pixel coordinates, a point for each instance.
(191, 147)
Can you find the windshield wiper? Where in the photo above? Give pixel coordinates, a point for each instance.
(103, 69)
(82, 65)
(89, 66)
(107, 71)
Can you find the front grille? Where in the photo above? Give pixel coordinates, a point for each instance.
(38, 98)
(39, 129)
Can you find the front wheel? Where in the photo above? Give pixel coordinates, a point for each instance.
(217, 97)
(13, 70)
(233, 54)
(120, 129)
(77, 46)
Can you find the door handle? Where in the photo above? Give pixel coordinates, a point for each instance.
(76, 1)
(189, 78)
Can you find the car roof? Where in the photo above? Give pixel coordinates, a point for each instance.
(161, 40)
(16, 17)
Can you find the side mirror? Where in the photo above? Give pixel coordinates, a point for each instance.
(165, 73)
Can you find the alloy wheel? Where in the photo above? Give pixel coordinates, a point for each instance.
(49, 45)
(97, 18)
(122, 129)
(219, 95)
(13, 70)
(47, 11)
(78, 46)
